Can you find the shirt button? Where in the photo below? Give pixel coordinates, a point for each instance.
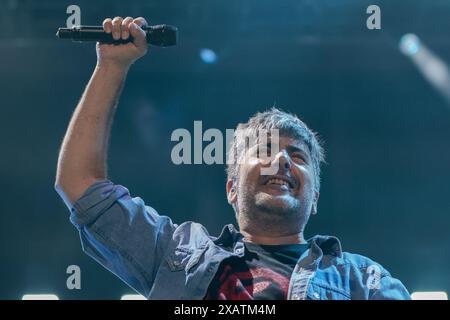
(295, 297)
(316, 295)
(238, 251)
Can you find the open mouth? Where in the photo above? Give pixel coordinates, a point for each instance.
(279, 181)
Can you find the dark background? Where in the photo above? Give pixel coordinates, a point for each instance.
(385, 188)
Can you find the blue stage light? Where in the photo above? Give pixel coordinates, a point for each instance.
(208, 56)
(409, 44)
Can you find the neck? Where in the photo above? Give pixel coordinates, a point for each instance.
(296, 238)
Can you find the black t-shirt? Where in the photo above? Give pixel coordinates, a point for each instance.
(262, 274)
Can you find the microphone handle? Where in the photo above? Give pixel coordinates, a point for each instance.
(160, 35)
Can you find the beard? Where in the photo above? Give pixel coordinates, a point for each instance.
(274, 214)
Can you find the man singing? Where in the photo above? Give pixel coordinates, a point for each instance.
(268, 258)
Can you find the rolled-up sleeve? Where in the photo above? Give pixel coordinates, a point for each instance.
(122, 233)
(390, 288)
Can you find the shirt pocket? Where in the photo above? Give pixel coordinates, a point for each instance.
(323, 291)
(184, 258)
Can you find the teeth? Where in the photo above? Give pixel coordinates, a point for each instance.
(278, 181)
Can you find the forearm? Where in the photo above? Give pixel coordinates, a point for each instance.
(82, 159)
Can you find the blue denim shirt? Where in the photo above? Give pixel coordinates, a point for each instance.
(163, 260)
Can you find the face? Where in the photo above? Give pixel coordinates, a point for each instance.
(281, 202)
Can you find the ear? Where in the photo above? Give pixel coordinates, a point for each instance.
(315, 201)
(231, 191)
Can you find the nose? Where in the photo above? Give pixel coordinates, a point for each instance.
(283, 159)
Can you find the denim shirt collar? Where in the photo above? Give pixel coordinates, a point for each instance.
(230, 238)
(329, 245)
(320, 245)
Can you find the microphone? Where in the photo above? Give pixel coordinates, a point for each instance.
(162, 35)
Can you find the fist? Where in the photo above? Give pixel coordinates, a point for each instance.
(123, 54)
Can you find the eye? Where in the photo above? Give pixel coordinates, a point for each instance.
(298, 156)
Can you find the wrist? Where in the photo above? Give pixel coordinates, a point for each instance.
(112, 66)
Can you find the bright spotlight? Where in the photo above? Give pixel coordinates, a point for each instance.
(430, 65)
(40, 297)
(208, 56)
(429, 295)
(132, 297)
(409, 44)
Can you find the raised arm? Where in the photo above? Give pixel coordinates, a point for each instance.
(82, 158)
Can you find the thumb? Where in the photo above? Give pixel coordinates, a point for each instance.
(139, 36)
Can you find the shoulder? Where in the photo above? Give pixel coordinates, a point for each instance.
(364, 264)
(190, 232)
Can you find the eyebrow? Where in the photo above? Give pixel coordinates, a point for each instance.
(292, 148)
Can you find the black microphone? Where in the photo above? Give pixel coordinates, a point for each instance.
(162, 35)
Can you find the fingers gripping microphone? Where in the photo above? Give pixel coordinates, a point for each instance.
(160, 35)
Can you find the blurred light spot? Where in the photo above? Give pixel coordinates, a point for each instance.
(429, 295)
(132, 297)
(208, 56)
(40, 297)
(409, 44)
